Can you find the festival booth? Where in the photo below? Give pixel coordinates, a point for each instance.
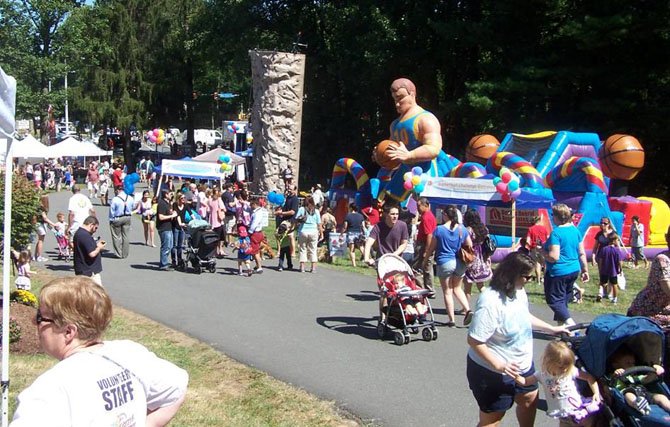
(71, 147)
(504, 219)
(190, 169)
(28, 148)
(237, 163)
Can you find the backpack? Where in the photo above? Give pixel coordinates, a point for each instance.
(489, 246)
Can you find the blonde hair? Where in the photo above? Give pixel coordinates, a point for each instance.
(397, 277)
(562, 213)
(78, 301)
(558, 359)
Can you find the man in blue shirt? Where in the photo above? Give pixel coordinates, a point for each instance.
(120, 211)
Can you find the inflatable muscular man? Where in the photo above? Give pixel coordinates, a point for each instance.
(418, 131)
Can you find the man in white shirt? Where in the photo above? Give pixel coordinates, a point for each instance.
(79, 207)
(317, 196)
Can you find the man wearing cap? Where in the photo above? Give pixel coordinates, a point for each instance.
(120, 211)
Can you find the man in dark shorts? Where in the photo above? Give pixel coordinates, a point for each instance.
(87, 260)
(288, 211)
(353, 227)
(389, 235)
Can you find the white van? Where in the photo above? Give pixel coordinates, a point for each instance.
(205, 139)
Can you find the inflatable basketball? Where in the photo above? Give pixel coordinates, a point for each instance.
(621, 157)
(381, 156)
(481, 148)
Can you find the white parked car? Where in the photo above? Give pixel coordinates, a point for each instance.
(205, 139)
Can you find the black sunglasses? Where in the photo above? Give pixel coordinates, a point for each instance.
(39, 319)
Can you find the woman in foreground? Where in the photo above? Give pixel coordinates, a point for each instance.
(501, 344)
(95, 382)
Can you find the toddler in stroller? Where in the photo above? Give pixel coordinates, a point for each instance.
(640, 389)
(403, 306)
(613, 342)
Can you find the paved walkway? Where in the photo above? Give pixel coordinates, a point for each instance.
(315, 331)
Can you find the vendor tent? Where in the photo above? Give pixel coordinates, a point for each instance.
(191, 169)
(480, 192)
(71, 147)
(213, 157)
(29, 147)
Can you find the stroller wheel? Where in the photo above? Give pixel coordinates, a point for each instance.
(197, 269)
(427, 334)
(398, 338)
(381, 330)
(212, 268)
(434, 333)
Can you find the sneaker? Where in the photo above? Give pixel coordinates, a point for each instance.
(468, 318)
(42, 259)
(614, 300)
(280, 268)
(451, 324)
(241, 273)
(258, 270)
(249, 273)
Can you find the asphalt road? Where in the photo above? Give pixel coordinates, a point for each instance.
(316, 331)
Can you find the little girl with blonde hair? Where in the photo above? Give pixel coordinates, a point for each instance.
(558, 377)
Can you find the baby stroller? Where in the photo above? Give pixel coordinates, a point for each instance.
(396, 316)
(646, 340)
(63, 245)
(201, 244)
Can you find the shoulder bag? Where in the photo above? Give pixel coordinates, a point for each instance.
(465, 253)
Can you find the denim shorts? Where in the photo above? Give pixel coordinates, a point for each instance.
(452, 267)
(493, 391)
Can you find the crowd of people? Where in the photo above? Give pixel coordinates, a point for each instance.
(450, 243)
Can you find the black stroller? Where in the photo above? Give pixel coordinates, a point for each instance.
(201, 245)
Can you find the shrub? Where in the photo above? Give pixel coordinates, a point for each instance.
(25, 205)
(24, 297)
(14, 330)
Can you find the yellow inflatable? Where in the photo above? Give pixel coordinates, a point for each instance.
(659, 222)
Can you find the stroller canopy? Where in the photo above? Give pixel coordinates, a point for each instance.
(609, 331)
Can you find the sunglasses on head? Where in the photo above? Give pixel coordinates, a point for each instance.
(39, 318)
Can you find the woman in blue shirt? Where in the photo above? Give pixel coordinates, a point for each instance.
(447, 240)
(565, 256)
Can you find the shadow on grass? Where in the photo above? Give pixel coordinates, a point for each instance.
(364, 327)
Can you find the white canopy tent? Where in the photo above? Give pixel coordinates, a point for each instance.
(29, 148)
(71, 147)
(212, 156)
